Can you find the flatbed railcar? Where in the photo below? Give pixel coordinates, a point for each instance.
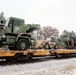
(63, 52)
(14, 55)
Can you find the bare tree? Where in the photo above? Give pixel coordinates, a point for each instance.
(39, 34)
(2, 22)
(2, 16)
(48, 31)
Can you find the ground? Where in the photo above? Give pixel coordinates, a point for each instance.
(66, 66)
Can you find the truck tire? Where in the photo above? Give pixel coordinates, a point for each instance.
(56, 46)
(22, 44)
(46, 46)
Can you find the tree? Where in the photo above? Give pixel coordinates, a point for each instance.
(2, 18)
(2, 21)
(48, 31)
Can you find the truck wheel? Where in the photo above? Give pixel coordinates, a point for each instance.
(46, 46)
(56, 46)
(22, 44)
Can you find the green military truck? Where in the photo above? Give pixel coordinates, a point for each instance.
(67, 40)
(15, 34)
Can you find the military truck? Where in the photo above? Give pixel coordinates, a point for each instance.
(15, 34)
(66, 40)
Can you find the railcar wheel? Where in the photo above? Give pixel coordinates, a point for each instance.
(13, 59)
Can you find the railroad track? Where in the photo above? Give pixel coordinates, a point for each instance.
(34, 60)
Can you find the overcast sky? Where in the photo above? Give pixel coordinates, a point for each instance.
(56, 13)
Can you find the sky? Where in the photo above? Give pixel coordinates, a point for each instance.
(60, 14)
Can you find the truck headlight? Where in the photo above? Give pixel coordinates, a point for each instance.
(32, 40)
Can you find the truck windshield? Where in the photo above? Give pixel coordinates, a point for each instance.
(14, 22)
